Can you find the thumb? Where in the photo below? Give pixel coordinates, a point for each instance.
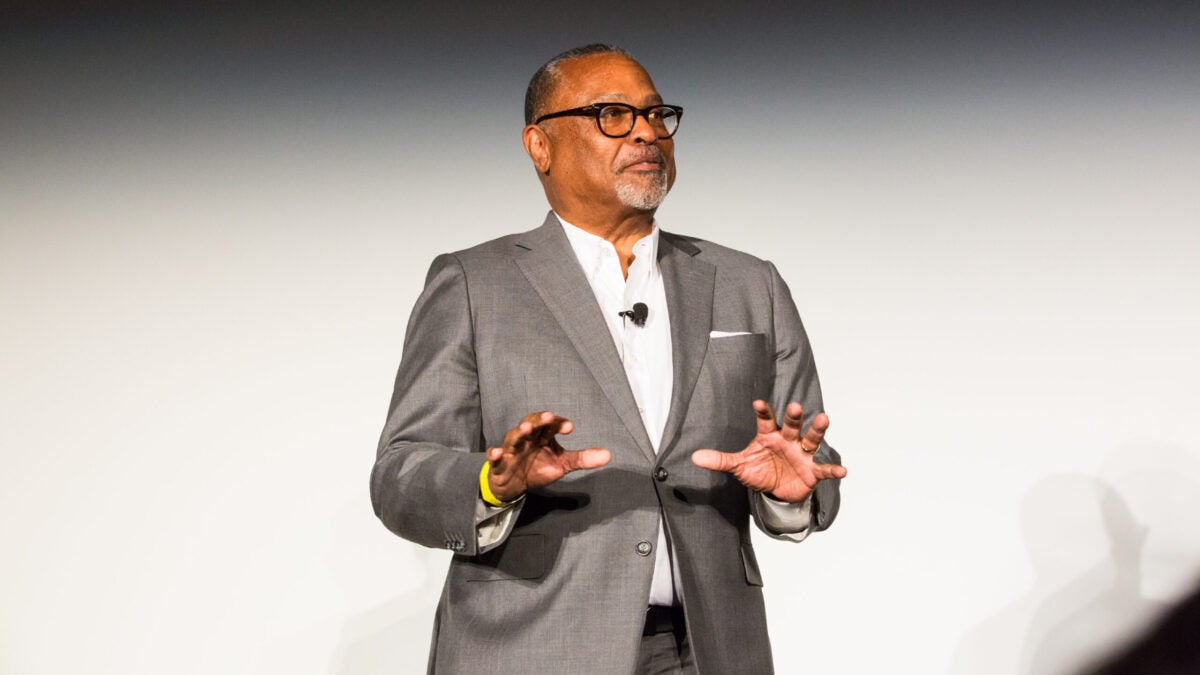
(590, 458)
(715, 460)
(827, 471)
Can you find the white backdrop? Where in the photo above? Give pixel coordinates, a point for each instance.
(202, 318)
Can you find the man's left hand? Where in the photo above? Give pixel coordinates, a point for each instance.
(777, 461)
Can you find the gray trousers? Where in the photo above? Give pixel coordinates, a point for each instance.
(666, 652)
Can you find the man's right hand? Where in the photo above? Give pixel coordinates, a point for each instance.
(531, 457)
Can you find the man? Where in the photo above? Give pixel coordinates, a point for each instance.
(658, 354)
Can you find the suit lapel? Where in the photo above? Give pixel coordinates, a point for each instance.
(550, 265)
(689, 284)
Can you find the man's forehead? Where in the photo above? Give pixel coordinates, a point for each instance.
(605, 77)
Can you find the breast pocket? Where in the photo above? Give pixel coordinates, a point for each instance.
(736, 371)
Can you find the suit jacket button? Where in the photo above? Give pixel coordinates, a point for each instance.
(644, 547)
(661, 474)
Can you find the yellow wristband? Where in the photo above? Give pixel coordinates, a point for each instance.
(485, 490)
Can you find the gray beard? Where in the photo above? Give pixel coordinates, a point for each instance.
(644, 198)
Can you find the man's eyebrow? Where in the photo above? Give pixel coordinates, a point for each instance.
(615, 97)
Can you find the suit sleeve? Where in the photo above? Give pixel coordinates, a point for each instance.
(796, 380)
(425, 482)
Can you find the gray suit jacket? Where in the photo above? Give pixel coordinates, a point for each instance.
(511, 327)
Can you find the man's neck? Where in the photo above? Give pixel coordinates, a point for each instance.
(622, 232)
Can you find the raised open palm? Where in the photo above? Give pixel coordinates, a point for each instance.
(531, 456)
(777, 461)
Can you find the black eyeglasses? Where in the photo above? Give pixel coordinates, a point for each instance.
(616, 120)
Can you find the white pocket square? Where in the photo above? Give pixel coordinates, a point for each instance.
(723, 334)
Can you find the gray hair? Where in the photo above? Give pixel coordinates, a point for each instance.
(545, 79)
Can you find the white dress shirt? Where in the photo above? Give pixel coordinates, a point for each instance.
(645, 352)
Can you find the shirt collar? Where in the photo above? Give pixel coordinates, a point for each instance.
(589, 248)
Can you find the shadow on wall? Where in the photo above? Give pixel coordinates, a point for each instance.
(1104, 604)
(1087, 539)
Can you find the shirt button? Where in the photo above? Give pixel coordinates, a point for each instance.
(661, 474)
(644, 547)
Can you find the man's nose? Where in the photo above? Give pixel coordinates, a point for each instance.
(643, 131)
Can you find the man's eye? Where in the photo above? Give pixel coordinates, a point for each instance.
(613, 113)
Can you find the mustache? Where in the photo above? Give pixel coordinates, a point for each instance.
(647, 154)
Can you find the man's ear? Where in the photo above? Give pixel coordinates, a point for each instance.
(537, 145)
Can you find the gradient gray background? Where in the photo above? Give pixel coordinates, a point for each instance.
(214, 222)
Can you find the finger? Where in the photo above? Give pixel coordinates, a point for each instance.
(793, 415)
(539, 423)
(588, 458)
(828, 471)
(716, 460)
(515, 437)
(515, 441)
(506, 459)
(526, 429)
(766, 417)
(548, 426)
(816, 433)
(536, 431)
(535, 418)
(541, 420)
(500, 460)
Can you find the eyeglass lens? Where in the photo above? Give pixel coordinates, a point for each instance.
(617, 121)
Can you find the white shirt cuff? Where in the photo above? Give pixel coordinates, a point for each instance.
(493, 523)
(782, 520)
